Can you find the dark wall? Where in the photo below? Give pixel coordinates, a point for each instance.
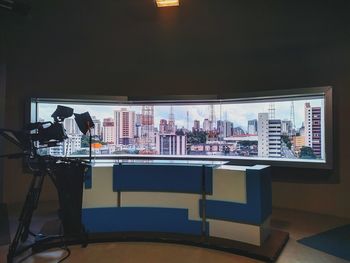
(2, 121)
(203, 47)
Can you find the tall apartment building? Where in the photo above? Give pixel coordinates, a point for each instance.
(125, 126)
(269, 136)
(275, 127)
(71, 126)
(96, 131)
(252, 127)
(263, 135)
(313, 129)
(109, 131)
(171, 144)
(72, 144)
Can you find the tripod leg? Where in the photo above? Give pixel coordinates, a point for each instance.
(25, 218)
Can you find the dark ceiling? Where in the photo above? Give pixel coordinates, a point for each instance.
(105, 41)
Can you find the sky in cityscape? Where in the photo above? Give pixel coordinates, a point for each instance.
(238, 113)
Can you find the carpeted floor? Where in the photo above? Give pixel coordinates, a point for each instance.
(335, 242)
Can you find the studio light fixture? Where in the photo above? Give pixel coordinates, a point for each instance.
(167, 3)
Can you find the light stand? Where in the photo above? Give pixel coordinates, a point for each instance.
(85, 124)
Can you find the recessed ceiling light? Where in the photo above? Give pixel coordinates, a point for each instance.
(166, 3)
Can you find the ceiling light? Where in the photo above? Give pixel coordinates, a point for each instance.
(166, 3)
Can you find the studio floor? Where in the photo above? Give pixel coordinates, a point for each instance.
(298, 224)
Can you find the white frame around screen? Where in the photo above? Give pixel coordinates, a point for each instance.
(278, 95)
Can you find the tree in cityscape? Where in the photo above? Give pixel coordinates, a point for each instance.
(307, 153)
(196, 137)
(85, 141)
(286, 140)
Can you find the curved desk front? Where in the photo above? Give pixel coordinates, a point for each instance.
(200, 199)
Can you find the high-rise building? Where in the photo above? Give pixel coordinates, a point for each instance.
(206, 125)
(275, 138)
(269, 136)
(220, 129)
(196, 125)
(287, 127)
(263, 135)
(253, 127)
(72, 144)
(96, 131)
(224, 129)
(313, 129)
(163, 126)
(125, 126)
(71, 126)
(171, 144)
(228, 132)
(109, 131)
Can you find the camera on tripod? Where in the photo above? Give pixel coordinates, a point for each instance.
(67, 174)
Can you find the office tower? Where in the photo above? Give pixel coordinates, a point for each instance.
(96, 131)
(196, 125)
(109, 131)
(206, 125)
(125, 126)
(263, 135)
(313, 129)
(228, 132)
(287, 127)
(220, 129)
(163, 126)
(269, 136)
(253, 127)
(224, 128)
(274, 138)
(71, 126)
(171, 144)
(292, 117)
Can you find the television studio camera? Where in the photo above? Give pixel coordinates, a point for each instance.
(67, 175)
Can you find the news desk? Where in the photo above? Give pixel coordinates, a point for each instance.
(200, 199)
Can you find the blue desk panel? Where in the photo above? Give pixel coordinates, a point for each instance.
(162, 178)
(259, 201)
(140, 219)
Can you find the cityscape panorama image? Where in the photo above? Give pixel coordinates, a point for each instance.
(287, 130)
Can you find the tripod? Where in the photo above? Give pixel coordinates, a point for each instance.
(67, 176)
(25, 218)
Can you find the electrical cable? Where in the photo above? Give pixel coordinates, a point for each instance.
(65, 247)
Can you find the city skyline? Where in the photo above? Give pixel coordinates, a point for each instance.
(280, 129)
(238, 113)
